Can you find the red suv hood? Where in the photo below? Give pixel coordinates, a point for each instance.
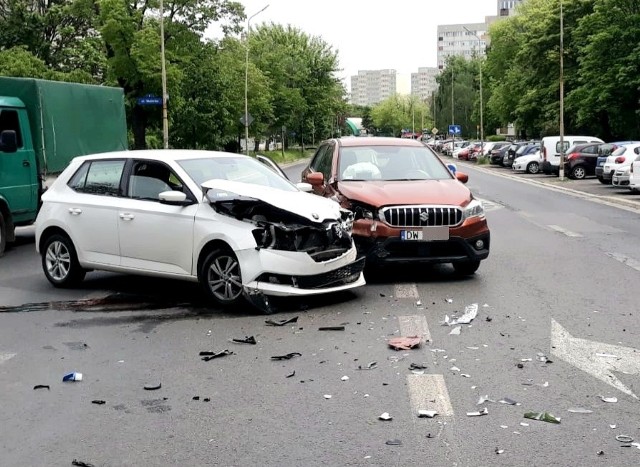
(381, 193)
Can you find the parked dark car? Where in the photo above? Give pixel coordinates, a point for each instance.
(498, 154)
(580, 160)
(519, 149)
(605, 151)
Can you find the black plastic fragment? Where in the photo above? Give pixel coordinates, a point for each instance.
(206, 399)
(246, 340)
(81, 463)
(417, 366)
(288, 356)
(281, 322)
(42, 386)
(98, 402)
(206, 356)
(394, 442)
(195, 398)
(331, 328)
(150, 387)
(293, 373)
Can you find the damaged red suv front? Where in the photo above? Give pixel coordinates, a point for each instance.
(408, 206)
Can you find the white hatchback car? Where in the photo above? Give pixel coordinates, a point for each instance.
(634, 175)
(529, 163)
(620, 158)
(225, 220)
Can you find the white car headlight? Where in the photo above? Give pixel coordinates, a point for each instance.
(474, 209)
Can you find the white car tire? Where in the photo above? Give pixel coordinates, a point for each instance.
(533, 167)
(60, 262)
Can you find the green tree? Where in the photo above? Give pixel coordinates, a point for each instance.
(458, 74)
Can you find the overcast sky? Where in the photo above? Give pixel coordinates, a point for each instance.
(374, 34)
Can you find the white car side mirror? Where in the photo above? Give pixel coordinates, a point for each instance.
(306, 187)
(173, 197)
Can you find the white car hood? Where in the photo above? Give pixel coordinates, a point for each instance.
(310, 206)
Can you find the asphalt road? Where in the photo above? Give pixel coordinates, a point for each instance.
(560, 283)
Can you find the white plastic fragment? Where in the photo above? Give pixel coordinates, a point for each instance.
(504, 427)
(526, 359)
(611, 400)
(454, 368)
(366, 395)
(385, 416)
(500, 451)
(479, 413)
(484, 399)
(345, 378)
(579, 410)
(464, 375)
(455, 331)
(470, 312)
(613, 427)
(449, 300)
(524, 424)
(473, 348)
(427, 413)
(606, 355)
(418, 303)
(327, 396)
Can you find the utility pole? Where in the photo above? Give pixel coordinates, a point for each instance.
(165, 118)
(481, 102)
(561, 171)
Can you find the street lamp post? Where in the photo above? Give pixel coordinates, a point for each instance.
(246, 82)
(165, 119)
(481, 112)
(561, 168)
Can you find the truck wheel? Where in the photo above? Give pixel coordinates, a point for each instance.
(60, 262)
(533, 168)
(3, 234)
(221, 277)
(466, 268)
(578, 172)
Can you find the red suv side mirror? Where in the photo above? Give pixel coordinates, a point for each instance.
(315, 178)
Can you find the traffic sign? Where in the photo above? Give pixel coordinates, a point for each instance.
(455, 129)
(434, 131)
(249, 120)
(150, 99)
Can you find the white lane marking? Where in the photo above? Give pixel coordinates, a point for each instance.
(406, 291)
(429, 392)
(414, 326)
(598, 359)
(6, 356)
(626, 260)
(564, 231)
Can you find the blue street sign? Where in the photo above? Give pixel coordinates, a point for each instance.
(455, 129)
(150, 99)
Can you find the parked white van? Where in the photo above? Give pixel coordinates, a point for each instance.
(550, 150)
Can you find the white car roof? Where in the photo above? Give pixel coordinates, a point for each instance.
(161, 154)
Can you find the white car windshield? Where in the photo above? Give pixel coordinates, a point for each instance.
(389, 163)
(238, 169)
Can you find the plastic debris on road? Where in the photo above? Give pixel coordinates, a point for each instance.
(370, 366)
(508, 401)
(579, 410)
(427, 413)
(69, 377)
(246, 340)
(417, 366)
(288, 356)
(455, 331)
(624, 438)
(292, 374)
(152, 387)
(344, 378)
(479, 413)
(327, 396)
(394, 442)
(331, 328)
(418, 303)
(499, 451)
(208, 355)
(484, 399)
(542, 417)
(78, 463)
(386, 417)
(98, 402)
(611, 400)
(41, 386)
(405, 343)
(281, 322)
(470, 313)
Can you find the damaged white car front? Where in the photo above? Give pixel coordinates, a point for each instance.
(284, 243)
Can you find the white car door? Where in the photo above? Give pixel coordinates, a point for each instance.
(90, 210)
(155, 237)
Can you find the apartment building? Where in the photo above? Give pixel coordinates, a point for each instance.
(423, 83)
(370, 87)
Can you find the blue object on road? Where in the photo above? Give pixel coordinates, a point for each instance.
(72, 377)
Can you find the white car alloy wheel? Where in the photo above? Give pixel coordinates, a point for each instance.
(60, 263)
(533, 167)
(222, 278)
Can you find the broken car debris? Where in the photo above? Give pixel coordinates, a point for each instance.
(405, 343)
(479, 413)
(370, 366)
(72, 377)
(288, 356)
(386, 417)
(470, 313)
(543, 417)
(427, 413)
(281, 322)
(150, 387)
(246, 340)
(331, 328)
(41, 386)
(207, 355)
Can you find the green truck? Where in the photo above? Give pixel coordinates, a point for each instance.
(43, 125)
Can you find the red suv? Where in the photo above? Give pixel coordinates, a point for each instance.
(408, 205)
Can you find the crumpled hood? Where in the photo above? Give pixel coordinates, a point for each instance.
(382, 193)
(310, 206)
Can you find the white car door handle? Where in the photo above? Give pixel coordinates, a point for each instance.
(75, 211)
(125, 216)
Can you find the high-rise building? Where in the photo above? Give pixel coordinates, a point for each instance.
(370, 87)
(508, 7)
(423, 83)
(460, 40)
